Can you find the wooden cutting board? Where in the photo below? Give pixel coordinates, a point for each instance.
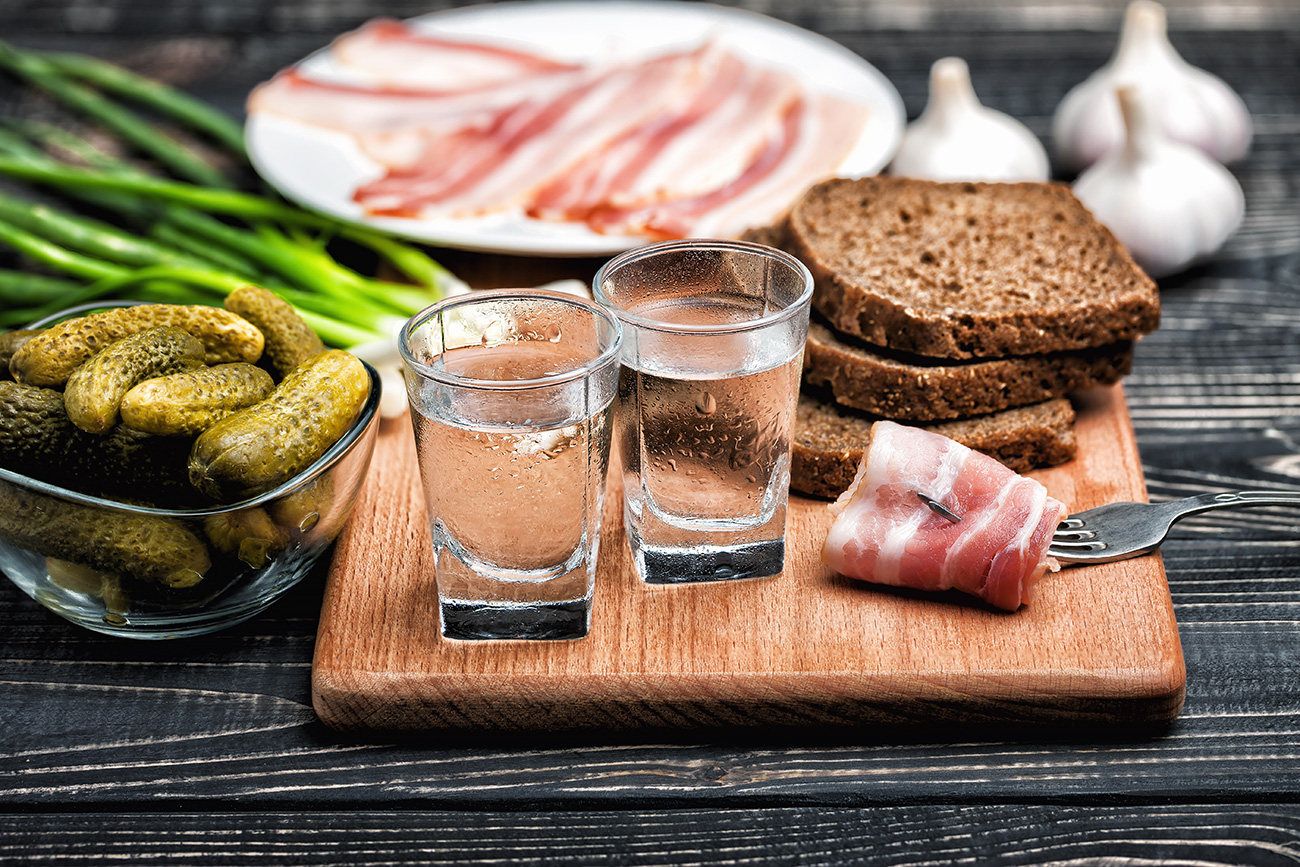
(1098, 645)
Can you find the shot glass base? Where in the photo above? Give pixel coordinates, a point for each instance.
(708, 563)
(484, 621)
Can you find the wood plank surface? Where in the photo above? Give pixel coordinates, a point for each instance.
(806, 648)
(207, 750)
(1168, 835)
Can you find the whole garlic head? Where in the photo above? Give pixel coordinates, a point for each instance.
(1191, 105)
(958, 139)
(1166, 201)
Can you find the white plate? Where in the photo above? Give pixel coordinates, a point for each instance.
(320, 169)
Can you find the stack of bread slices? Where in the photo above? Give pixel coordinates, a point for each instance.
(972, 309)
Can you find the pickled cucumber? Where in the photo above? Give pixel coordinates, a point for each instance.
(48, 359)
(75, 577)
(147, 547)
(187, 403)
(90, 581)
(38, 439)
(11, 342)
(95, 389)
(289, 340)
(303, 510)
(258, 448)
(248, 534)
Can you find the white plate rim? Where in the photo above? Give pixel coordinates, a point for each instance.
(310, 166)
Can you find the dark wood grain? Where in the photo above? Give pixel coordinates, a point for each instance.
(1170, 835)
(207, 751)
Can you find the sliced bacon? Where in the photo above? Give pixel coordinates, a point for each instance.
(501, 166)
(400, 127)
(698, 143)
(702, 146)
(392, 54)
(813, 135)
(886, 533)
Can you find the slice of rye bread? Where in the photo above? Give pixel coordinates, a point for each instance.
(829, 440)
(899, 386)
(967, 270)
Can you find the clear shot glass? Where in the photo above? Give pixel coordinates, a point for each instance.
(712, 355)
(511, 397)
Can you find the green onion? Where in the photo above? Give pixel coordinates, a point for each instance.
(163, 99)
(178, 230)
(129, 127)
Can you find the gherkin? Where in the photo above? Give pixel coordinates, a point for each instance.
(303, 511)
(95, 390)
(48, 359)
(189, 402)
(248, 534)
(11, 342)
(38, 440)
(289, 340)
(146, 547)
(258, 448)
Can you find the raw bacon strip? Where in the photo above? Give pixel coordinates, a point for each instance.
(884, 531)
(811, 138)
(349, 108)
(704, 145)
(392, 54)
(396, 127)
(695, 144)
(532, 141)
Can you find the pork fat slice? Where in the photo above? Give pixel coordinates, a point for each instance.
(928, 513)
(694, 142)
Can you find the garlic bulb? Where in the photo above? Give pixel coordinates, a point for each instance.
(958, 139)
(1192, 105)
(1166, 201)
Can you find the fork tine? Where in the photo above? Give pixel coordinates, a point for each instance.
(1073, 528)
(1075, 546)
(1073, 537)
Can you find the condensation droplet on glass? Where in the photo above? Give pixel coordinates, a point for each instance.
(553, 332)
(705, 403)
(494, 333)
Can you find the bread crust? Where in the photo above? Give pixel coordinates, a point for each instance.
(919, 389)
(830, 440)
(967, 270)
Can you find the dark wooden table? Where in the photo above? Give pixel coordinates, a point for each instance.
(207, 751)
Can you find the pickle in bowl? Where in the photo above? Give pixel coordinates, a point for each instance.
(131, 560)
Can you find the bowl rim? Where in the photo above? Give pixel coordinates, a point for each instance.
(365, 419)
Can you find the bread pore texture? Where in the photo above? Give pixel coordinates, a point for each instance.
(967, 270)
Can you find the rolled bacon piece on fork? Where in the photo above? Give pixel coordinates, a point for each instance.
(928, 513)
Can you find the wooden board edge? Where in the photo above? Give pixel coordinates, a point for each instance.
(355, 702)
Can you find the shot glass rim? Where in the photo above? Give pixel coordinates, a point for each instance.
(794, 308)
(608, 355)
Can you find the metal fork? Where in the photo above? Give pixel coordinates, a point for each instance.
(1117, 531)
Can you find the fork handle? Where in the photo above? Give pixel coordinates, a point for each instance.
(1205, 502)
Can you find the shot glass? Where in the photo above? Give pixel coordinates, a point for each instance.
(712, 355)
(511, 397)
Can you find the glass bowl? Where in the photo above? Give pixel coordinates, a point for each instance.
(192, 570)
